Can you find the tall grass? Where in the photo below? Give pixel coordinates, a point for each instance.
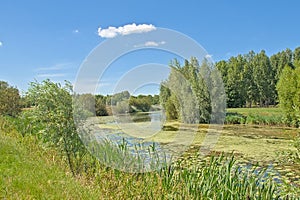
(217, 177)
(257, 119)
(259, 116)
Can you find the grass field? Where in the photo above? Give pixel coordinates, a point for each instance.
(29, 172)
(271, 111)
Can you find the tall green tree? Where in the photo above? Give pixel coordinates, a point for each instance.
(100, 105)
(9, 100)
(235, 86)
(296, 56)
(280, 60)
(185, 94)
(263, 78)
(287, 90)
(248, 79)
(54, 109)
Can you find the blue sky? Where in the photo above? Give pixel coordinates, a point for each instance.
(51, 39)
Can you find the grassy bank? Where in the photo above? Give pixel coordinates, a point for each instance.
(28, 171)
(31, 172)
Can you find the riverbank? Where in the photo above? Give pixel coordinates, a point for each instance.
(28, 171)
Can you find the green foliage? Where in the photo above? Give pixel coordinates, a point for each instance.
(28, 171)
(194, 177)
(100, 105)
(235, 118)
(234, 85)
(155, 100)
(86, 102)
(256, 116)
(9, 100)
(141, 105)
(121, 107)
(251, 79)
(27, 123)
(53, 109)
(118, 97)
(171, 110)
(141, 102)
(185, 94)
(263, 78)
(289, 96)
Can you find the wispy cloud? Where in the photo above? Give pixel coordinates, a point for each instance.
(1, 44)
(92, 85)
(75, 31)
(154, 44)
(112, 31)
(55, 67)
(101, 85)
(50, 75)
(151, 44)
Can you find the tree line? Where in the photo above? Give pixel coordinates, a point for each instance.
(119, 103)
(11, 102)
(252, 78)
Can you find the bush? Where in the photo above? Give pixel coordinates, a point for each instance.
(141, 104)
(54, 112)
(121, 107)
(10, 103)
(100, 106)
(235, 118)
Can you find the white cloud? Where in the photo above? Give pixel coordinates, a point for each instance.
(56, 67)
(208, 56)
(150, 44)
(153, 44)
(1, 44)
(112, 32)
(50, 75)
(76, 31)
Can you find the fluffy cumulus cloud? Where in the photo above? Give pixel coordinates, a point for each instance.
(112, 32)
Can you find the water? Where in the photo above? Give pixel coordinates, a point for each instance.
(145, 124)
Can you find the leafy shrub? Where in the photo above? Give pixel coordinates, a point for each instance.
(54, 111)
(235, 118)
(10, 103)
(121, 107)
(141, 103)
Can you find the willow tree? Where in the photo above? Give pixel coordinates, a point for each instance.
(185, 94)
